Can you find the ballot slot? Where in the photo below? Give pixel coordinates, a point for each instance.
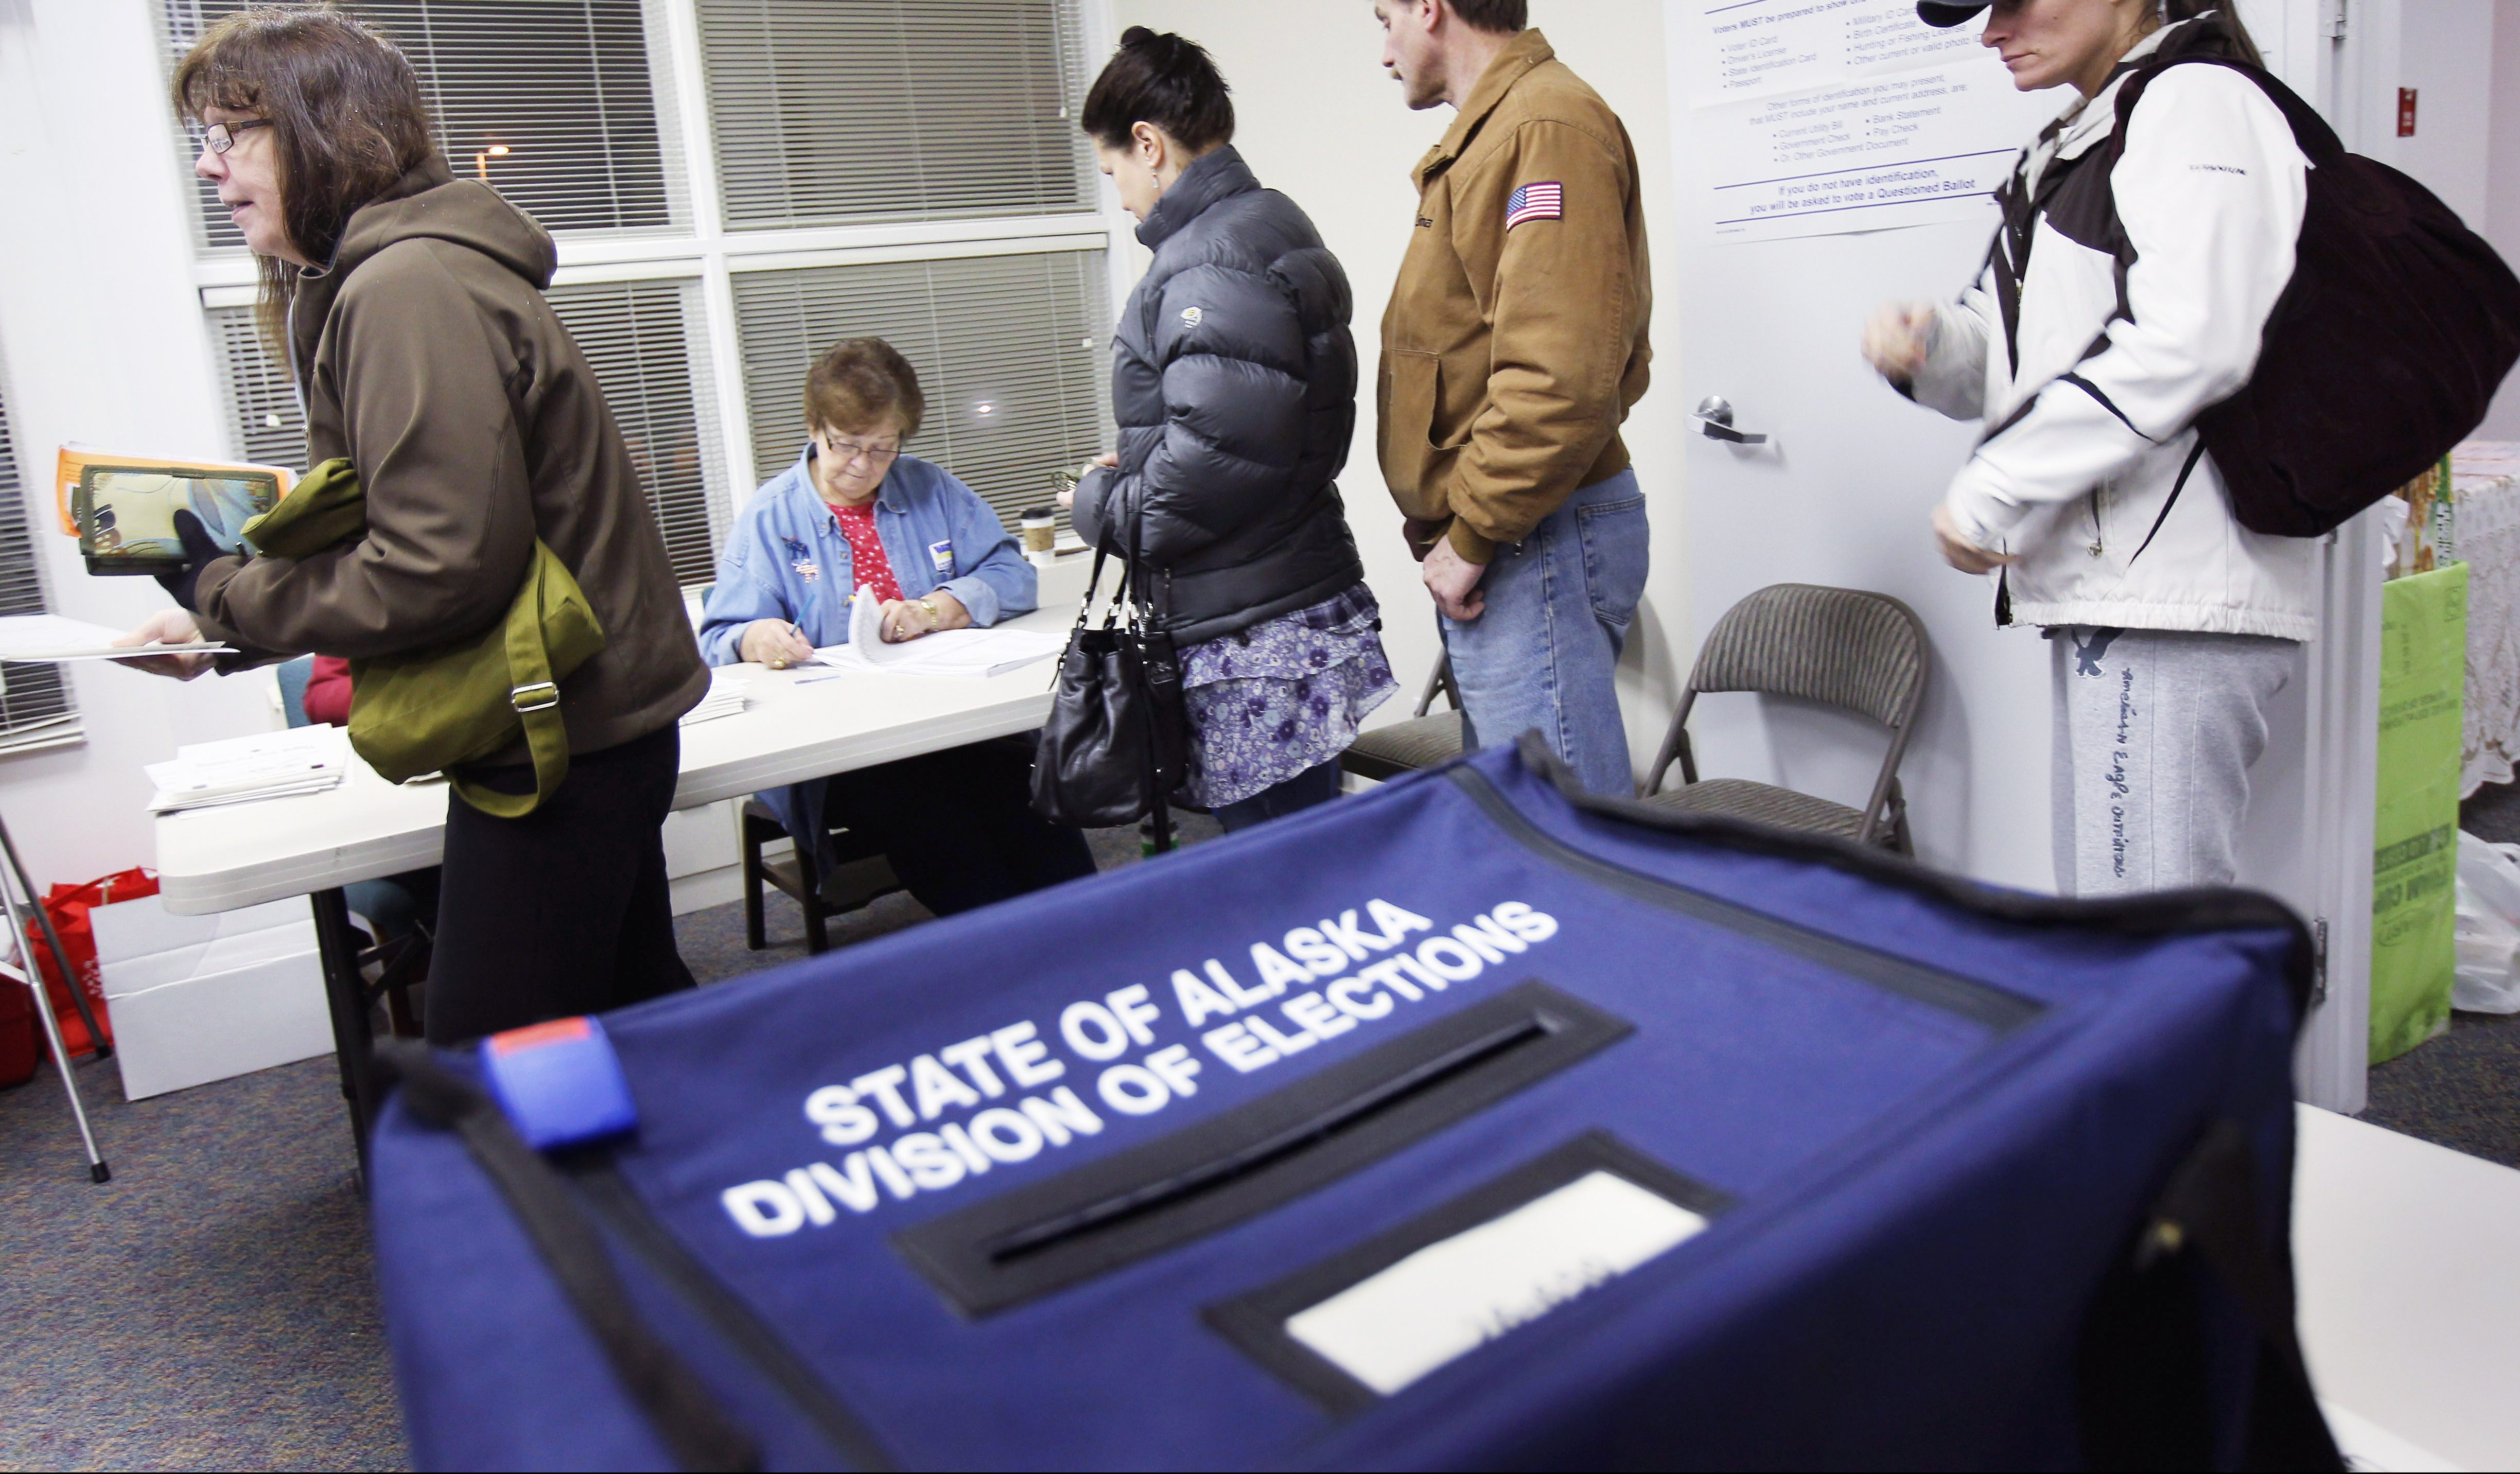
(1109, 1213)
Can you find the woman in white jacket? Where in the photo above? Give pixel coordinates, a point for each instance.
(2127, 289)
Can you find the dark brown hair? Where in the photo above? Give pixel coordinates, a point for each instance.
(1507, 15)
(2242, 46)
(1167, 80)
(858, 382)
(345, 111)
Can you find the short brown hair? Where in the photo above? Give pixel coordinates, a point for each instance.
(858, 382)
(1507, 15)
(345, 111)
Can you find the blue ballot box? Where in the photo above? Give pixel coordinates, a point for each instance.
(1475, 1122)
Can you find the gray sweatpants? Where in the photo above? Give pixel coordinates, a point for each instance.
(2155, 734)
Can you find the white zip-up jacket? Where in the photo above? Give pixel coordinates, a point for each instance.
(2115, 305)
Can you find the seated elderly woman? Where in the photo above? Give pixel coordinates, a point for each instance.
(857, 511)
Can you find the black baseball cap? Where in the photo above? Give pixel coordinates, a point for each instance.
(1948, 12)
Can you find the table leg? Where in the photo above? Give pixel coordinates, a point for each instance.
(346, 992)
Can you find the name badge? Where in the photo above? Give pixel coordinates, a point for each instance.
(941, 553)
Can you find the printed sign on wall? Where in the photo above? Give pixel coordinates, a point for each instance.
(1824, 116)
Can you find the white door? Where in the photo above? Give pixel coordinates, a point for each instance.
(1840, 492)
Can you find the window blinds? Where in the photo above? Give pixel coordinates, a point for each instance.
(555, 102)
(1008, 351)
(255, 389)
(648, 343)
(831, 112)
(34, 701)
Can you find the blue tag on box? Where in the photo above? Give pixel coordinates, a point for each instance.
(560, 1083)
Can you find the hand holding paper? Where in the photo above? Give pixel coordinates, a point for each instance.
(947, 653)
(175, 627)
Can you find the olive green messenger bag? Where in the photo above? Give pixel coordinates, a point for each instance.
(435, 709)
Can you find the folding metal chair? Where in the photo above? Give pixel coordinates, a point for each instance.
(1864, 652)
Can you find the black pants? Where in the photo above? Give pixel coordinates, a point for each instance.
(958, 826)
(562, 912)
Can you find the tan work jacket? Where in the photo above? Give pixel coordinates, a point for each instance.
(1511, 351)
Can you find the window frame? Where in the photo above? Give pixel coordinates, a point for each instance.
(707, 250)
(65, 727)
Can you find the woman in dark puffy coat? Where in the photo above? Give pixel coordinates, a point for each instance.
(1234, 388)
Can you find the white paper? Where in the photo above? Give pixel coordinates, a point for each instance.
(946, 652)
(1911, 149)
(1827, 117)
(1755, 47)
(240, 770)
(865, 632)
(57, 636)
(1449, 1298)
(726, 698)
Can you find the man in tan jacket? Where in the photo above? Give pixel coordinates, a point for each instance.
(1514, 348)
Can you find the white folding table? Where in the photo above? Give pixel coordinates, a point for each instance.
(2408, 1257)
(802, 723)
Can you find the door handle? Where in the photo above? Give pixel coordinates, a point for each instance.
(1714, 417)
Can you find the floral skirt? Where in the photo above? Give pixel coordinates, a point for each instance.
(1285, 695)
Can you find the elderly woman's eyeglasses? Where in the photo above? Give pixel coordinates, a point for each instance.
(849, 453)
(219, 138)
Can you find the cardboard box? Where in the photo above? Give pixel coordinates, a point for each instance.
(197, 999)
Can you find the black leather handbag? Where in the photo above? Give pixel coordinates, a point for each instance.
(1114, 747)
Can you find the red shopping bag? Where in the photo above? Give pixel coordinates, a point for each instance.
(21, 1042)
(69, 906)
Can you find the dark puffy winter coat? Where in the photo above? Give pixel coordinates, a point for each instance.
(1233, 382)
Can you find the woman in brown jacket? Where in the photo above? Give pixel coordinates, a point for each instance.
(411, 308)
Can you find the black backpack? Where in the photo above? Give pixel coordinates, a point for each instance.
(2384, 352)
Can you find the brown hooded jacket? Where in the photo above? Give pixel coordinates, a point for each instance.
(429, 357)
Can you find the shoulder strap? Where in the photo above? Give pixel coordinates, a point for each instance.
(550, 630)
(679, 1406)
(2318, 141)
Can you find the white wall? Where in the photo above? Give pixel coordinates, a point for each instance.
(1319, 120)
(2446, 53)
(103, 339)
(2501, 223)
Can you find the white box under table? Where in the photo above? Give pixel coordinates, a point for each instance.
(197, 999)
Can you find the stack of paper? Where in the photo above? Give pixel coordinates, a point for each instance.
(241, 770)
(55, 637)
(725, 699)
(947, 653)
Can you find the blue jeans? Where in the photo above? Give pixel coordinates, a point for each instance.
(1558, 606)
(1313, 786)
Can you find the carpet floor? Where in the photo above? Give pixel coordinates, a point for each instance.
(2462, 1089)
(212, 1308)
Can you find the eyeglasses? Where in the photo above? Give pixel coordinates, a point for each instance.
(849, 453)
(219, 138)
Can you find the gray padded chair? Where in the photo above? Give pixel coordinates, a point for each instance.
(1864, 653)
(1386, 753)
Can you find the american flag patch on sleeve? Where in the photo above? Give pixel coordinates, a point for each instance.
(1536, 201)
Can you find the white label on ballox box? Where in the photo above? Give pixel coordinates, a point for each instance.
(1449, 1298)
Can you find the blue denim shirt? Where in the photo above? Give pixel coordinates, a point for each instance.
(786, 559)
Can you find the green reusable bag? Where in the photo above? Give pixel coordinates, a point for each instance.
(2414, 862)
(325, 507)
(431, 710)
